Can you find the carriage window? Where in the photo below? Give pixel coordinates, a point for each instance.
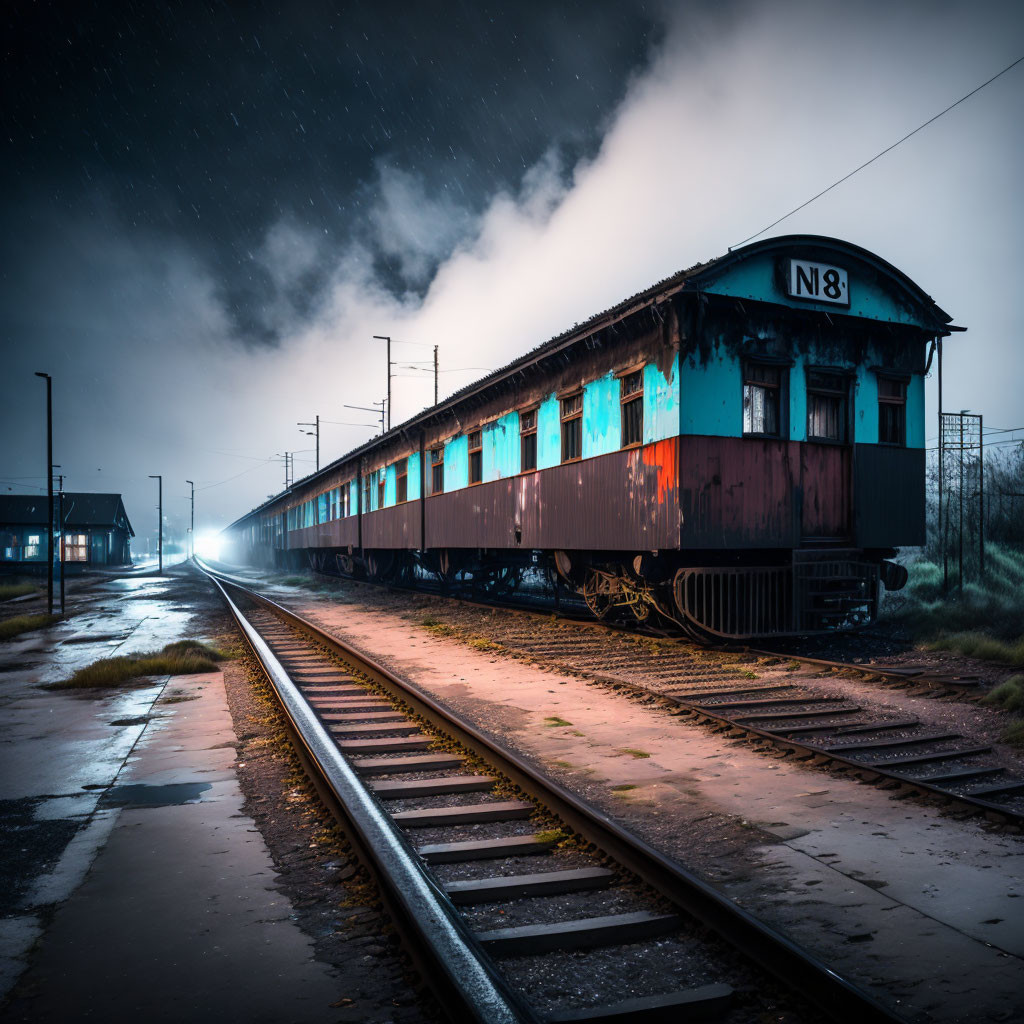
(572, 427)
(762, 400)
(345, 499)
(528, 440)
(366, 493)
(436, 470)
(892, 411)
(631, 395)
(826, 406)
(382, 476)
(476, 458)
(402, 481)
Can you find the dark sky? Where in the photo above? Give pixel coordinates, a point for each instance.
(209, 123)
(208, 210)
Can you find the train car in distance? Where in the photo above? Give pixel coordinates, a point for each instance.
(739, 448)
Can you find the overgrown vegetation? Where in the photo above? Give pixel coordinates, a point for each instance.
(1014, 734)
(1008, 695)
(182, 658)
(983, 621)
(11, 590)
(10, 628)
(555, 721)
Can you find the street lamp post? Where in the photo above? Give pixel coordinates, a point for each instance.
(60, 532)
(49, 484)
(310, 433)
(192, 527)
(160, 521)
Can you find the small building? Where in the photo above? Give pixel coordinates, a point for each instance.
(96, 530)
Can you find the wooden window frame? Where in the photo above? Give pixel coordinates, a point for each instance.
(781, 389)
(436, 468)
(634, 397)
(477, 450)
(567, 418)
(898, 402)
(528, 432)
(821, 390)
(402, 481)
(382, 487)
(73, 542)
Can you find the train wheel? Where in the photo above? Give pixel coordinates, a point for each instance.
(595, 594)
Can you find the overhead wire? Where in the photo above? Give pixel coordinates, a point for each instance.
(877, 156)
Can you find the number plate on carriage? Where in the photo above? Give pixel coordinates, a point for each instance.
(818, 282)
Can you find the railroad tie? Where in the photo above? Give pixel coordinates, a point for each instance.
(707, 1002)
(420, 763)
(587, 933)
(515, 887)
(482, 849)
(467, 814)
(405, 789)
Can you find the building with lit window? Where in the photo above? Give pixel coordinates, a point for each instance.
(96, 530)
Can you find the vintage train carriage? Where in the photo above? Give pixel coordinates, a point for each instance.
(740, 446)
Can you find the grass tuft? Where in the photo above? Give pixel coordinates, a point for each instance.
(554, 721)
(9, 590)
(634, 752)
(1014, 734)
(1009, 694)
(183, 658)
(11, 628)
(550, 836)
(976, 644)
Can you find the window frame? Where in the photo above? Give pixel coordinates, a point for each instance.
(901, 403)
(633, 398)
(566, 421)
(525, 434)
(781, 389)
(382, 485)
(476, 456)
(76, 542)
(402, 481)
(820, 390)
(436, 469)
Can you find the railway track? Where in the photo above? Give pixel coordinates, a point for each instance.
(519, 901)
(792, 714)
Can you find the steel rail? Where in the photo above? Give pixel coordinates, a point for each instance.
(468, 986)
(795, 966)
(777, 739)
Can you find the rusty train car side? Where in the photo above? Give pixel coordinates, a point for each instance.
(739, 447)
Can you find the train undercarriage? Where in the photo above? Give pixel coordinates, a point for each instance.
(707, 595)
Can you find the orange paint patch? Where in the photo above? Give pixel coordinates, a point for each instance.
(664, 455)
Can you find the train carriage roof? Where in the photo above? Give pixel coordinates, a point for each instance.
(751, 272)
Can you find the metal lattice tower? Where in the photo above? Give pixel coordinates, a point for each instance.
(961, 493)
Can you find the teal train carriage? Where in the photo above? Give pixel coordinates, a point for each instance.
(739, 449)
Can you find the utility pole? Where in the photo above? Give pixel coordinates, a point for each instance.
(60, 541)
(435, 375)
(310, 433)
(387, 338)
(49, 483)
(60, 532)
(160, 521)
(192, 527)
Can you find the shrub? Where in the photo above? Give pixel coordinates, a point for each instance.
(1009, 695)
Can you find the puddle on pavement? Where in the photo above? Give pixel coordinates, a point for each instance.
(140, 795)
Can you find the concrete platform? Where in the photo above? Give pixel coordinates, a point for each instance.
(178, 917)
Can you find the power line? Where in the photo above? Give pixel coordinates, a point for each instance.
(889, 149)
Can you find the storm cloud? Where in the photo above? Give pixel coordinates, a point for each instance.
(208, 213)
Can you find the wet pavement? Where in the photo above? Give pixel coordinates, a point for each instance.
(132, 882)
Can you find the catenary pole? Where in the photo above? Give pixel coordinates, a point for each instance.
(160, 521)
(192, 525)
